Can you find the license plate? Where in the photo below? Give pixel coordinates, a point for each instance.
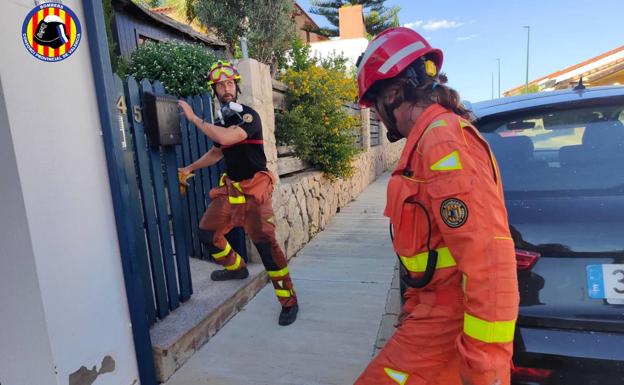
(606, 281)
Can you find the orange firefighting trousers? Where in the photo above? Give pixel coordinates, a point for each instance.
(459, 328)
(247, 204)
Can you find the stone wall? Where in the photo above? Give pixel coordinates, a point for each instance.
(306, 202)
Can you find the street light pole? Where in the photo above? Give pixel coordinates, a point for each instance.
(526, 83)
(499, 94)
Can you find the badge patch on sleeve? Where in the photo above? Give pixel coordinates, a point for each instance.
(454, 212)
(247, 118)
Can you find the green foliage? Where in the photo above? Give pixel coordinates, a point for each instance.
(316, 122)
(118, 63)
(227, 18)
(268, 24)
(271, 29)
(148, 3)
(378, 20)
(122, 66)
(377, 17)
(395, 20)
(189, 8)
(180, 9)
(298, 58)
(181, 67)
(108, 20)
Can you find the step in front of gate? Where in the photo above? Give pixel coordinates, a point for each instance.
(213, 304)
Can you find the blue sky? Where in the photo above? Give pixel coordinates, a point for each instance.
(474, 33)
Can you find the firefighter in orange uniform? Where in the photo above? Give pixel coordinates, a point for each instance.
(243, 198)
(449, 225)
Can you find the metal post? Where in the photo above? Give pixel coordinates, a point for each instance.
(243, 43)
(243, 39)
(499, 86)
(526, 83)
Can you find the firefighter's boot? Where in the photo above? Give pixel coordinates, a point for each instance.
(225, 275)
(288, 315)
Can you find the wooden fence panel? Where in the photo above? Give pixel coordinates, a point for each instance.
(142, 255)
(148, 200)
(163, 217)
(187, 158)
(176, 219)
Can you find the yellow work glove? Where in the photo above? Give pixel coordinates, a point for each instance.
(183, 180)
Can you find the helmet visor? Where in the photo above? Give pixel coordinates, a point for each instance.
(221, 73)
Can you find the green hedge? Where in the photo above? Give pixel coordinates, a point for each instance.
(181, 67)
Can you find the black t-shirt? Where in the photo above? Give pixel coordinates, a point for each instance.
(244, 159)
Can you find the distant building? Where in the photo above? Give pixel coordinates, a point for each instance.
(352, 40)
(603, 70)
(134, 24)
(305, 26)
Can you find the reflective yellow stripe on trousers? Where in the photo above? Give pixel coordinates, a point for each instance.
(235, 265)
(223, 253)
(489, 332)
(239, 200)
(278, 273)
(418, 262)
(283, 293)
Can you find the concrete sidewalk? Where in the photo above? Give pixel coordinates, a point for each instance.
(342, 278)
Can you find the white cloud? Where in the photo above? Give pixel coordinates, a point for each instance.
(414, 25)
(464, 38)
(434, 25)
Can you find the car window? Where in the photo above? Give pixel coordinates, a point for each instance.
(569, 151)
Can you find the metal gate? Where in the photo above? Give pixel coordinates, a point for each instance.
(164, 222)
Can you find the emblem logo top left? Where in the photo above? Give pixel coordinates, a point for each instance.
(51, 32)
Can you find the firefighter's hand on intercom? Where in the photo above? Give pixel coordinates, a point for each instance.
(187, 110)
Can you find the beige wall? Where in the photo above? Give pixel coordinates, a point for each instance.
(308, 201)
(257, 92)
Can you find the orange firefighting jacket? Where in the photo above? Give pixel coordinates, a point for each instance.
(448, 167)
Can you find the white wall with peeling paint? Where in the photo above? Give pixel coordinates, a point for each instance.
(23, 331)
(62, 298)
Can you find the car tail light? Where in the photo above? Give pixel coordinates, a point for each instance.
(530, 374)
(526, 259)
